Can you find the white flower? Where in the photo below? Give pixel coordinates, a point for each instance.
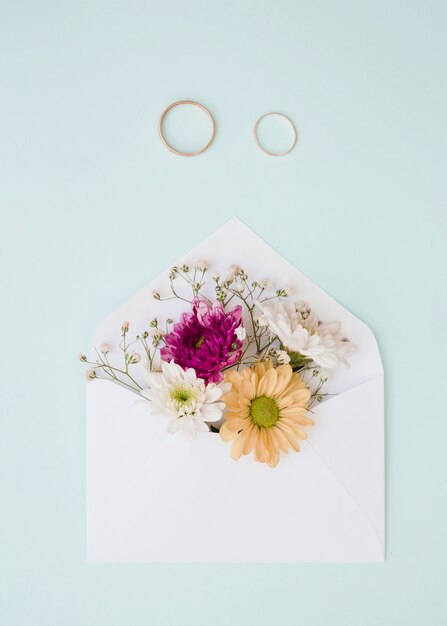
(299, 330)
(240, 333)
(133, 357)
(201, 265)
(260, 322)
(157, 333)
(215, 276)
(233, 272)
(81, 356)
(185, 398)
(239, 287)
(104, 348)
(334, 346)
(266, 284)
(156, 295)
(309, 319)
(282, 357)
(90, 374)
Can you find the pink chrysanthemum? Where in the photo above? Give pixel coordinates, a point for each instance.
(205, 340)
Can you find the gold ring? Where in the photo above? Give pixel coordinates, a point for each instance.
(179, 103)
(261, 147)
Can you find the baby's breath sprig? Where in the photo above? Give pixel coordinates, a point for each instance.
(193, 277)
(103, 366)
(318, 378)
(259, 343)
(238, 286)
(152, 339)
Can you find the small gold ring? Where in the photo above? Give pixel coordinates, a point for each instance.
(179, 103)
(261, 147)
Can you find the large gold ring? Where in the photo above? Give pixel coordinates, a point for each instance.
(171, 148)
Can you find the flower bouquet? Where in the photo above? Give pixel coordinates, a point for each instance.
(244, 359)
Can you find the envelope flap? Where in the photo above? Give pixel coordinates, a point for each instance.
(236, 242)
(348, 437)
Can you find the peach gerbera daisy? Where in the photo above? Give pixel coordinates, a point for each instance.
(266, 408)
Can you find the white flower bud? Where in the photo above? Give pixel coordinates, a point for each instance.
(260, 322)
(201, 265)
(90, 374)
(233, 272)
(133, 357)
(240, 333)
(104, 348)
(282, 357)
(221, 295)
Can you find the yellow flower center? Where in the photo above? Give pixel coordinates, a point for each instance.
(264, 412)
(199, 342)
(183, 395)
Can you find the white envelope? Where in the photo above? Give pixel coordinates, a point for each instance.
(156, 497)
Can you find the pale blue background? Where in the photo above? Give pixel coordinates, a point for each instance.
(93, 206)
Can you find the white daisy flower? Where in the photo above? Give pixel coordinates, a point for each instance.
(334, 346)
(299, 330)
(185, 398)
